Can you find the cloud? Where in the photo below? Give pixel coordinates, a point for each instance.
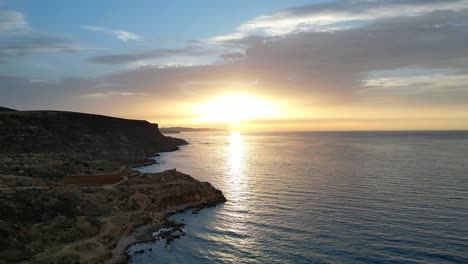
(12, 21)
(114, 93)
(23, 44)
(336, 16)
(232, 56)
(325, 17)
(18, 39)
(322, 66)
(419, 83)
(119, 34)
(191, 50)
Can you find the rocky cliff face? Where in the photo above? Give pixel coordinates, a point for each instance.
(72, 143)
(99, 136)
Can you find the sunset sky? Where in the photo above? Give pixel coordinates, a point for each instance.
(253, 65)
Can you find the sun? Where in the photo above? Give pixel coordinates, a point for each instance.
(235, 108)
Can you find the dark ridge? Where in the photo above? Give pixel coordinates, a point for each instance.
(99, 136)
(4, 109)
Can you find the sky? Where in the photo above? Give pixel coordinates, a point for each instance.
(248, 65)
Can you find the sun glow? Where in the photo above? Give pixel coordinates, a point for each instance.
(235, 108)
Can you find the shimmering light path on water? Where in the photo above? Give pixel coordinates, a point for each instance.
(328, 197)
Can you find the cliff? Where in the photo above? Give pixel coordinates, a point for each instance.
(88, 134)
(54, 143)
(68, 195)
(4, 109)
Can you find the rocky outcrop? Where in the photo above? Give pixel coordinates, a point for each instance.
(43, 223)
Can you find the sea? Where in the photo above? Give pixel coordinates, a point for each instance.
(322, 197)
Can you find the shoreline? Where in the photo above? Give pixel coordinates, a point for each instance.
(111, 217)
(69, 191)
(145, 233)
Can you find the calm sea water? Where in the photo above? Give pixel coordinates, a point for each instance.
(328, 197)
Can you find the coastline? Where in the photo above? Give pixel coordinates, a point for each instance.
(141, 204)
(68, 192)
(145, 233)
(168, 230)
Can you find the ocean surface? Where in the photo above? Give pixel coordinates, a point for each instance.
(323, 197)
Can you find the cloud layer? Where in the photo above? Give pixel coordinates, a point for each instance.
(321, 64)
(119, 34)
(191, 50)
(336, 16)
(18, 39)
(12, 21)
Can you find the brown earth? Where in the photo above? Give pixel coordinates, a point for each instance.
(94, 179)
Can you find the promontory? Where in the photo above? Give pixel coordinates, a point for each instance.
(68, 193)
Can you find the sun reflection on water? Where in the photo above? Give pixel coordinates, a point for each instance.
(236, 185)
(236, 155)
(236, 166)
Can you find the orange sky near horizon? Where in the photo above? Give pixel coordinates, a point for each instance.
(245, 112)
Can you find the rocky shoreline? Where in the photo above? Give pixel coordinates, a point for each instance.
(168, 231)
(68, 193)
